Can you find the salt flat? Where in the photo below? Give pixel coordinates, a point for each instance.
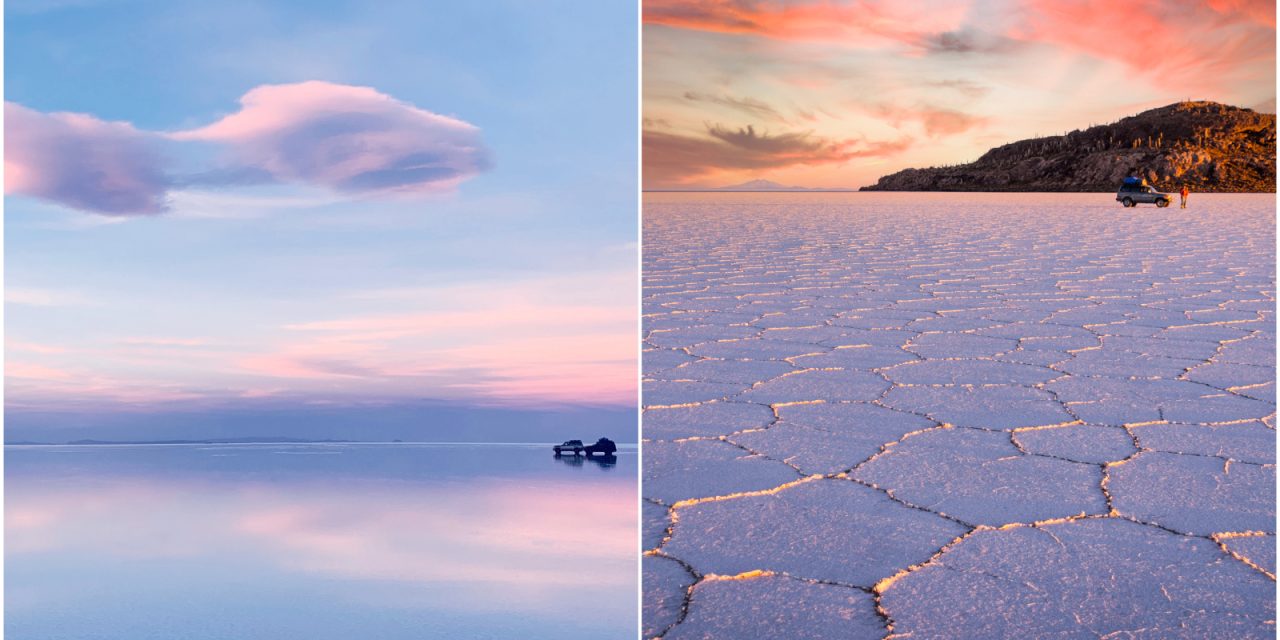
(958, 416)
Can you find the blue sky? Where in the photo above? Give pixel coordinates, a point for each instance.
(510, 286)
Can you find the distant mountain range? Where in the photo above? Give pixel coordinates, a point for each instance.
(277, 422)
(769, 185)
(1206, 145)
(757, 185)
(266, 440)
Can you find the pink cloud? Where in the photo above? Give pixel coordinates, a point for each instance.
(345, 138)
(1261, 11)
(566, 353)
(109, 168)
(32, 385)
(351, 139)
(33, 347)
(165, 342)
(35, 371)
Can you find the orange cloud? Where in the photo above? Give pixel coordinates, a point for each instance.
(674, 160)
(934, 120)
(1190, 44)
(857, 23)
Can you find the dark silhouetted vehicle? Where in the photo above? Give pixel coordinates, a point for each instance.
(603, 445)
(569, 446)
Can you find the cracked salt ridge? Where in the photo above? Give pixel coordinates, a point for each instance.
(982, 407)
(981, 478)
(1256, 550)
(829, 438)
(704, 420)
(1248, 441)
(1118, 402)
(656, 523)
(818, 384)
(1088, 443)
(1195, 495)
(1102, 301)
(776, 606)
(666, 584)
(1120, 580)
(968, 371)
(676, 392)
(829, 528)
(691, 469)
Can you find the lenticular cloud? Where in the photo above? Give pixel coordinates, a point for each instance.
(82, 162)
(345, 138)
(351, 139)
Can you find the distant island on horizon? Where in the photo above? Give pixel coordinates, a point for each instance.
(1208, 146)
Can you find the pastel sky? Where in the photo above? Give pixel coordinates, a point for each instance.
(220, 207)
(836, 94)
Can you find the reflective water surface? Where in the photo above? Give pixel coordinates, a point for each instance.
(318, 541)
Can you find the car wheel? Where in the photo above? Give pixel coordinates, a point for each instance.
(1162, 203)
(1128, 202)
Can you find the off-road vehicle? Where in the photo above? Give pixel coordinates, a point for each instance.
(569, 446)
(1130, 195)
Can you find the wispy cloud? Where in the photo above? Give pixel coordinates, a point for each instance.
(750, 106)
(38, 297)
(165, 342)
(555, 340)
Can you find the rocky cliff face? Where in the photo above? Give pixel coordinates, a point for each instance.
(1206, 145)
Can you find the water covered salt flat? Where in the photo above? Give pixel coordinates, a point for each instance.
(318, 541)
(958, 416)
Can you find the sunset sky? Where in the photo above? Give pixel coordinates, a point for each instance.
(837, 94)
(237, 207)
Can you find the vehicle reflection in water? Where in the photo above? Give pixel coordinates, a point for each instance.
(606, 461)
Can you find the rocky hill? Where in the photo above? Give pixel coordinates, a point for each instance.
(1208, 146)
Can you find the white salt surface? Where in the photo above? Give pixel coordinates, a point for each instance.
(848, 393)
(769, 607)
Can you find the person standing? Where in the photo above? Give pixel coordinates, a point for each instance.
(1184, 193)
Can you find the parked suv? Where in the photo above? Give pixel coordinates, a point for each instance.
(569, 446)
(1132, 194)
